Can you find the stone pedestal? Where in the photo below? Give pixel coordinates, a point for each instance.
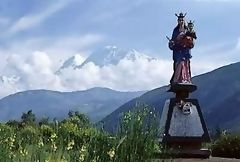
(182, 126)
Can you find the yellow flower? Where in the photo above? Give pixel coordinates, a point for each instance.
(54, 135)
(82, 153)
(82, 157)
(54, 147)
(40, 143)
(24, 152)
(83, 149)
(111, 153)
(70, 145)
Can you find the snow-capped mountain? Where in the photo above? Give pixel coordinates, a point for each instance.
(72, 62)
(113, 55)
(9, 80)
(135, 55)
(109, 55)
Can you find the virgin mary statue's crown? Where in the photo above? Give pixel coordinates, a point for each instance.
(181, 15)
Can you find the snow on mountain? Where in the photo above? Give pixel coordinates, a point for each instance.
(113, 55)
(134, 55)
(72, 62)
(9, 80)
(109, 55)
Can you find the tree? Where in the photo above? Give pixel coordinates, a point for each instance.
(44, 121)
(28, 118)
(70, 113)
(13, 123)
(82, 118)
(77, 118)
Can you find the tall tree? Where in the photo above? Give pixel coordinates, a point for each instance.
(28, 118)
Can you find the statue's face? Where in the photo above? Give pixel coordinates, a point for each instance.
(190, 26)
(180, 21)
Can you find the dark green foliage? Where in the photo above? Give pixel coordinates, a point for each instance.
(218, 132)
(29, 135)
(6, 142)
(75, 139)
(70, 113)
(137, 135)
(44, 121)
(227, 146)
(28, 118)
(13, 123)
(46, 133)
(78, 119)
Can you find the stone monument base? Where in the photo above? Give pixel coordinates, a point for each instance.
(183, 129)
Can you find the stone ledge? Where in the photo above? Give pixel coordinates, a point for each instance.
(211, 159)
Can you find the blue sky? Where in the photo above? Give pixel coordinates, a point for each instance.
(61, 28)
(140, 24)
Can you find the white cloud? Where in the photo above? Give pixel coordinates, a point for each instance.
(58, 49)
(37, 71)
(63, 48)
(218, 54)
(209, 57)
(58, 45)
(125, 76)
(7, 89)
(76, 42)
(29, 21)
(237, 45)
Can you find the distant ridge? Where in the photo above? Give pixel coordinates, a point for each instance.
(94, 102)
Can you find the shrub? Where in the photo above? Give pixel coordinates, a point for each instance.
(47, 133)
(137, 135)
(29, 135)
(76, 139)
(7, 138)
(227, 146)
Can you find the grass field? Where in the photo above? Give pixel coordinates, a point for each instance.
(75, 139)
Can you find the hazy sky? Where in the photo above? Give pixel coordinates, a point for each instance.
(37, 36)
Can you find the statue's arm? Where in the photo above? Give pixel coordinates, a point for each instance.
(194, 35)
(172, 43)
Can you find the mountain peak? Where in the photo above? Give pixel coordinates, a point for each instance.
(113, 55)
(111, 47)
(72, 62)
(107, 55)
(135, 55)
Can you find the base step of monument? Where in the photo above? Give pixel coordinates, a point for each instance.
(211, 159)
(188, 153)
(203, 153)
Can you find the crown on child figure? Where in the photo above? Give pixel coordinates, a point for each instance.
(180, 15)
(191, 23)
